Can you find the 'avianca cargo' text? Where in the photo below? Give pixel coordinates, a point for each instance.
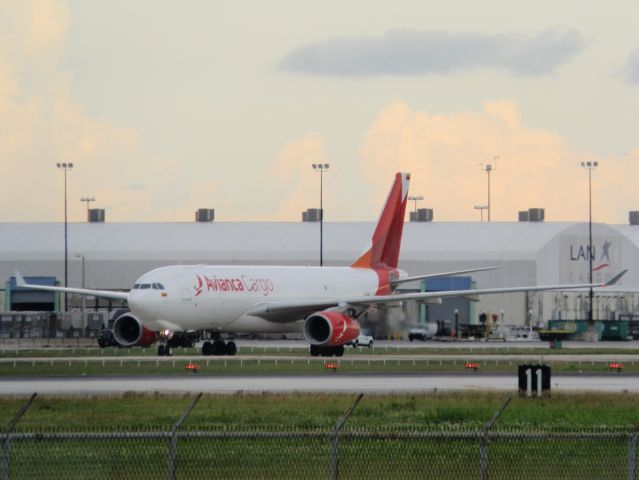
(263, 286)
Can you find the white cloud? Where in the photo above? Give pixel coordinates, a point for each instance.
(536, 168)
(42, 124)
(292, 174)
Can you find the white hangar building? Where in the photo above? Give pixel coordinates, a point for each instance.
(527, 253)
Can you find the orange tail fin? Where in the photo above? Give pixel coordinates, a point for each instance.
(384, 249)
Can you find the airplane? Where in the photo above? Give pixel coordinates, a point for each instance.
(176, 305)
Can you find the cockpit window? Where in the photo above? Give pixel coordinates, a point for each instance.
(147, 286)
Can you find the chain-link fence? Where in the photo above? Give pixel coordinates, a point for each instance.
(320, 454)
(344, 452)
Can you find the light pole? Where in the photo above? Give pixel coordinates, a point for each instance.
(321, 168)
(590, 166)
(481, 208)
(88, 200)
(456, 312)
(489, 167)
(83, 323)
(65, 167)
(416, 198)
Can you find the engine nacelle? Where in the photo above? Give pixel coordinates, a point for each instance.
(330, 329)
(129, 332)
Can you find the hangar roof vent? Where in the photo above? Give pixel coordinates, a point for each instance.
(312, 215)
(422, 215)
(204, 215)
(532, 215)
(96, 215)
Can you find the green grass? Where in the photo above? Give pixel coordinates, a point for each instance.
(285, 365)
(380, 453)
(310, 411)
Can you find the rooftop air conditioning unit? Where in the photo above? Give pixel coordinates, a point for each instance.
(536, 214)
(312, 215)
(96, 215)
(424, 214)
(205, 215)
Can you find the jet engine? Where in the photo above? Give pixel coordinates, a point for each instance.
(330, 329)
(129, 332)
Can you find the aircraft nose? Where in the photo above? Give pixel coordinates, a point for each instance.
(141, 303)
(134, 299)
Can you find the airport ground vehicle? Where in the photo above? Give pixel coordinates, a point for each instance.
(423, 333)
(363, 340)
(105, 338)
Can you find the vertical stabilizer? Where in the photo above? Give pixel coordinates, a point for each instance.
(384, 249)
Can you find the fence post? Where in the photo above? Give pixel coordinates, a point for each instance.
(173, 438)
(483, 441)
(6, 446)
(335, 443)
(632, 457)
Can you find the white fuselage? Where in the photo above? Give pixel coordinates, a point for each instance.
(221, 297)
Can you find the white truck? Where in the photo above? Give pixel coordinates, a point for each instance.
(423, 332)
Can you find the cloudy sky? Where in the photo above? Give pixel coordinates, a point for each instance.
(168, 106)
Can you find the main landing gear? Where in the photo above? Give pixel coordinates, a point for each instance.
(219, 347)
(213, 344)
(317, 350)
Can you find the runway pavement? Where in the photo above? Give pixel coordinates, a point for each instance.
(336, 383)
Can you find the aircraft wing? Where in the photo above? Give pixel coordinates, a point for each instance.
(20, 282)
(283, 312)
(473, 294)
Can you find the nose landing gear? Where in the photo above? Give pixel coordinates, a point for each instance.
(171, 340)
(165, 350)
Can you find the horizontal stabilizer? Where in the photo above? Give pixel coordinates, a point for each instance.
(438, 275)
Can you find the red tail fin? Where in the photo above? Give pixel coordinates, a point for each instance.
(384, 250)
